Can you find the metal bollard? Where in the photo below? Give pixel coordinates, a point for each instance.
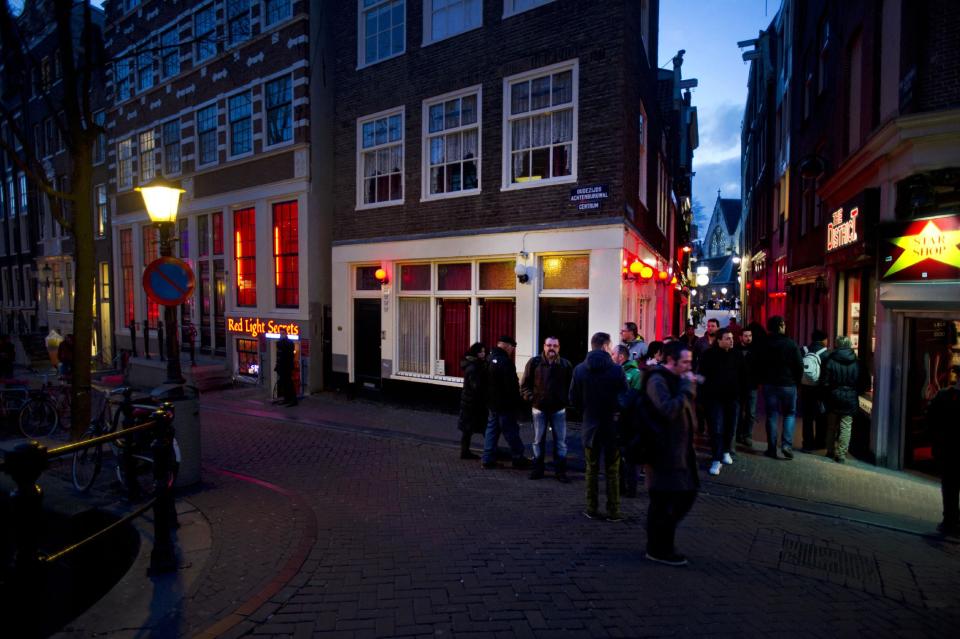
(160, 340)
(146, 339)
(24, 464)
(133, 337)
(163, 558)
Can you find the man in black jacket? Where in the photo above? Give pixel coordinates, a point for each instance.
(597, 384)
(503, 400)
(748, 399)
(840, 378)
(671, 470)
(723, 369)
(783, 368)
(945, 432)
(546, 385)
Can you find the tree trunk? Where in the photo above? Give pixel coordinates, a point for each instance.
(84, 260)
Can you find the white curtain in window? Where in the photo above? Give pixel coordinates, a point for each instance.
(415, 335)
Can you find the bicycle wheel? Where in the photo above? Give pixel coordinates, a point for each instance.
(38, 417)
(64, 414)
(87, 463)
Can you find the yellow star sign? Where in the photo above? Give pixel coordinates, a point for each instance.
(929, 244)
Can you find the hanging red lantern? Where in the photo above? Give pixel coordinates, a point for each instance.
(636, 267)
(646, 272)
(381, 275)
(663, 275)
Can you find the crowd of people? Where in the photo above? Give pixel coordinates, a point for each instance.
(641, 405)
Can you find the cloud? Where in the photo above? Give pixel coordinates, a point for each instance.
(720, 126)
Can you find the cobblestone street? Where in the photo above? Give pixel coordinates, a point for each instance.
(321, 531)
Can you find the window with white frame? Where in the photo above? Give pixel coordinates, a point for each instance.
(276, 10)
(642, 159)
(145, 69)
(207, 135)
(16, 286)
(241, 128)
(381, 159)
(540, 126)
(24, 194)
(121, 79)
(382, 29)
(238, 21)
(103, 212)
(205, 33)
(37, 141)
(170, 138)
(148, 160)
(279, 106)
(452, 144)
(170, 53)
(125, 163)
(50, 136)
(100, 144)
(511, 7)
(446, 18)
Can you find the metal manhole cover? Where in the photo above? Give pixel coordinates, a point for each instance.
(832, 560)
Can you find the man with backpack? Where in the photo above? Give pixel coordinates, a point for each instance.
(669, 417)
(812, 400)
(595, 392)
(783, 368)
(545, 384)
(840, 378)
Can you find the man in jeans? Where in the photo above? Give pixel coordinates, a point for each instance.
(748, 400)
(723, 369)
(782, 372)
(503, 400)
(546, 384)
(597, 384)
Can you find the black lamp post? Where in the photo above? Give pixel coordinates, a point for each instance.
(162, 198)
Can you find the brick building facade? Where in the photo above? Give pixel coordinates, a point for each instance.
(216, 97)
(502, 164)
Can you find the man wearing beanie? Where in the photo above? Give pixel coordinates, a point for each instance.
(812, 404)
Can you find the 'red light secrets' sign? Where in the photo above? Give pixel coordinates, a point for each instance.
(255, 326)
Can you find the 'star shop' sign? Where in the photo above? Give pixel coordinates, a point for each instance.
(927, 249)
(841, 232)
(589, 197)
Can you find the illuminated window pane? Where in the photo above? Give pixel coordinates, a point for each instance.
(497, 276)
(367, 279)
(566, 272)
(415, 277)
(453, 277)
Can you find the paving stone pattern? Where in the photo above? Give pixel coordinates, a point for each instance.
(411, 541)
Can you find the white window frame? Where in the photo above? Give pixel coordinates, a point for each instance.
(121, 79)
(103, 207)
(428, 37)
(401, 111)
(507, 160)
(100, 144)
(147, 157)
(280, 18)
(198, 154)
(146, 78)
(165, 144)
(425, 136)
(643, 157)
(125, 184)
(362, 62)
(230, 20)
(14, 287)
(510, 7)
(249, 118)
(165, 55)
(197, 36)
(265, 113)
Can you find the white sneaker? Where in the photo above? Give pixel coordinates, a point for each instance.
(715, 468)
(727, 459)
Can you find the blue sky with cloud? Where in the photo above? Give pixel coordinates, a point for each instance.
(709, 31)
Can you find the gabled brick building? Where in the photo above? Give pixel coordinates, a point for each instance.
(500, 165)
(216, 96)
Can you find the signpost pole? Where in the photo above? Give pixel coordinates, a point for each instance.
(174, 372)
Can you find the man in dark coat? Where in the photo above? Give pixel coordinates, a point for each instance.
(473, 399)
(782, 370)
(671, 469)
(723, 370)
(840, 378)
(546, 385)
(942, 420)
(702, 344)
(747, 349)
(284, 369)
(503, 401)
(597, 384)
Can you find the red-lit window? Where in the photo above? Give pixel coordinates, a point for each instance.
(245, 241)
(126, 273)
(217, 233)
(286, 266)
(151, 251)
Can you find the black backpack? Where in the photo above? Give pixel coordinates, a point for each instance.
(641, 430)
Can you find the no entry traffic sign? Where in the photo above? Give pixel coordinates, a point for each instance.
(168, 281)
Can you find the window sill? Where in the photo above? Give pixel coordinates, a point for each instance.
(520, 186)
(379, 205)
(439, 379)
(367, 65)
(427, 42)
(450, 196)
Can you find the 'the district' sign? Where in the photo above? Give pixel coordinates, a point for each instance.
(842, 232)
(926, 249)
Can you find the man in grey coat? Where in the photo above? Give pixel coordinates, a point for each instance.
(671, 469)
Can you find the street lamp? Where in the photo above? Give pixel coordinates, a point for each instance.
(162, 198)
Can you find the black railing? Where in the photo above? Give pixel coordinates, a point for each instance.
(27, 462)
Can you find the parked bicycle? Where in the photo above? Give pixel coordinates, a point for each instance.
(131, 457)
(46, 409)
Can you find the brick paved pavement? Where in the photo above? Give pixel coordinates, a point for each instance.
(411, 541)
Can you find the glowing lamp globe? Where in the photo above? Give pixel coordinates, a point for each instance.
(702, 280)
(381, 275)
(635, 267)
(646, 272)
(162, 199)
(663, 275)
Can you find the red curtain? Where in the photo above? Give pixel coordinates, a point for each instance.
(497, 317)
(455, 340)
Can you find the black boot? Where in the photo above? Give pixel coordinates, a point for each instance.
(537, 472)
(465, 446)
(561, 470)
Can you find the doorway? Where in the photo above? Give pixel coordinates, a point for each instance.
(366, 342)
(566, 319)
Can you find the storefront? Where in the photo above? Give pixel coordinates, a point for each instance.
(406, 311)
(918, 320)
(254, 342)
